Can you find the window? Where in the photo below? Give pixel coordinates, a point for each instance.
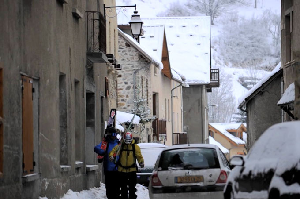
(189, 158)
(78, 135)
(211, 134)
(1, 122)
(27, 125)
(63, 120)
(90, 128)
(106, 87)
(155, 70)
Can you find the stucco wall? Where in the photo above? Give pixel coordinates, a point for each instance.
(194, 103)
(263, 112)
(291, 73)
(44, 40)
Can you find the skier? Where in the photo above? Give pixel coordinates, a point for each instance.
(129, 153)
(110, 168)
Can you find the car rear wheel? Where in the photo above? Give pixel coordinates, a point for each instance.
(229, 193)
(274, 194)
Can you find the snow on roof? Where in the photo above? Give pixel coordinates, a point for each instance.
(288, 95)
(122, 117)
(213, 141)
(152, 39)
(152, 57)
(223, 127)
(243, 100)
(188, 40)
(277, 148)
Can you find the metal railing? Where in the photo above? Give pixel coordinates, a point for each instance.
(214, 78)
(96, 32)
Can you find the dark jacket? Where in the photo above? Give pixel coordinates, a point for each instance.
(108, 165)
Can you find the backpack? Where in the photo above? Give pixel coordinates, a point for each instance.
(104, 146)
(134, 157)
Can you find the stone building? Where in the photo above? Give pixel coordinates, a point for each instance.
(57, 84)
(290, 58)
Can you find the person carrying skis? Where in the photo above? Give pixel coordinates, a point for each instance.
(110, 168)
(129, 153)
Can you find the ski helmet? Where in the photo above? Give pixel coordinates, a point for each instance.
(128, 138)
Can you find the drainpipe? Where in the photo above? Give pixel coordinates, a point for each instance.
(172, 117)
(282, 112)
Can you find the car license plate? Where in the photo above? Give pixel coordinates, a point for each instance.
(189, 179)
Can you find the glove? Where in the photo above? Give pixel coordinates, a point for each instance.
(142, 165)
(111, 158)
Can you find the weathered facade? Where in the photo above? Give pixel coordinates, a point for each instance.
(261, 106)
(56, 92)
(290, 55)
(134, 82)
(195, 115)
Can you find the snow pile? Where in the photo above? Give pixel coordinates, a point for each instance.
(214, 142)
(123, 117)
(223, 127)
(100, 193)
(288, 96)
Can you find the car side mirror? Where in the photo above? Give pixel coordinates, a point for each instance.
(236, 161)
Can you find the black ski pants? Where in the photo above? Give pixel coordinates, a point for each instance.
(128, 183)
(112, 184)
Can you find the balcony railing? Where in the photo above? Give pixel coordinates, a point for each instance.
(214, 78)
(96, 32)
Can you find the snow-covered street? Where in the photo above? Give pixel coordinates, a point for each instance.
(99, 193)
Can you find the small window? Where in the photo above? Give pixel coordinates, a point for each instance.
(155, 70)
(106, 87)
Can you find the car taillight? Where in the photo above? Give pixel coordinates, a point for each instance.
(223, 177)
(155, 179)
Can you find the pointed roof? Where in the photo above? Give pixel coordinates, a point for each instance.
(224, 129)
(142, 50)
(188, 41)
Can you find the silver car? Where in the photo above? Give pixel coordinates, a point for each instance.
(190, 171)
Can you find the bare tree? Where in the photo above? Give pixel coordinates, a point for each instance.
(222, 103)
(212, 8)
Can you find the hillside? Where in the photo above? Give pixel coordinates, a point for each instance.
(243, 47)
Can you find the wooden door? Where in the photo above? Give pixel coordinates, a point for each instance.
(27, 125)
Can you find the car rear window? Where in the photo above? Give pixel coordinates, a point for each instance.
(189, 158)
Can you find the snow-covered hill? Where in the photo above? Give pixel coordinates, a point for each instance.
(236, 80)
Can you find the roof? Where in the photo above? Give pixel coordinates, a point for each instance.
(152, 40)
(213, 141)
(188, 40)
(224, 127)
(144, 51)
(264, 82)
(288, 95)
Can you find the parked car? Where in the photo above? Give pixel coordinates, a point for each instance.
(271, 170)
(150, 152)
(200, 169)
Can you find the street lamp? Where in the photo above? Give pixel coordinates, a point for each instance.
(136, 25)
(183, 84)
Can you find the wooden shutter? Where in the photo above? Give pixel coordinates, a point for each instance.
(1, 125)
(27, 125)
